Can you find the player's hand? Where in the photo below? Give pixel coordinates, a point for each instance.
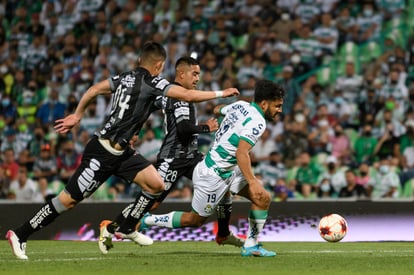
(255, 187)
(63, 125)
(230, 92)
(132, 141)
(212, 124)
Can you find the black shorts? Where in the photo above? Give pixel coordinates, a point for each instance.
(98, 165)
(171, 170)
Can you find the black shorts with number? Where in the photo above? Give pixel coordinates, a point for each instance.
(171, 170)
(98, 165)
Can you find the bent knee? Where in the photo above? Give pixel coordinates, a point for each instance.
(154, 186)
(66, 200)
(157, 187)
(262, 199)
(150, 181)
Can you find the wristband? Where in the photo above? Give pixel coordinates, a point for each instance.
(219, 94)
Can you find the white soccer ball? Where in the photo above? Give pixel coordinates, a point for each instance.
(333, 228)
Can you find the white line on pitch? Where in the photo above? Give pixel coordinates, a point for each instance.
(348, 251)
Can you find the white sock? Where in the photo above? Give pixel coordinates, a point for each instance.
(255, 228)
(165, 220)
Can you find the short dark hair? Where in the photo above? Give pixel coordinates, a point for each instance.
(186, 60)
(350, 171)
(268, 90)
(152, 52)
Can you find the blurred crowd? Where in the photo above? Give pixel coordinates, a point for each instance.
(347, 127)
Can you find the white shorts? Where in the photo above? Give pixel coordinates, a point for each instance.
(238, 182)
(210, 189)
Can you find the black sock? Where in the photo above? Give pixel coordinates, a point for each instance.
(223, 219)
(142, 205)
(113, 226)
(46, 215)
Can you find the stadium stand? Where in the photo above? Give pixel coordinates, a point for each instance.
(52, 51)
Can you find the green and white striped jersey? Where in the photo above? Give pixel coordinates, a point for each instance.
(242, 120)
(309, 48)
(397, 91)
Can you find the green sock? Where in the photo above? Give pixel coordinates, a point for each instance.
(257, 219)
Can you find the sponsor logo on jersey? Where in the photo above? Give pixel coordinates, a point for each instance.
(160, 83)
(164, 166)
(180, 104)
(167, 175)
(241, 109)
(86, 182)
(128, 81)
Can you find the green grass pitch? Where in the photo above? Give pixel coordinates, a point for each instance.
(75, 257)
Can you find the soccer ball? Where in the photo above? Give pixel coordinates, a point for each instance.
(333, 228)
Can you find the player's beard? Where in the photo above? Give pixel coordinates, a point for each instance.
(269, 116)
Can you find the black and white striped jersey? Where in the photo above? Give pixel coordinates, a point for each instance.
(181, 129)
(134, 93)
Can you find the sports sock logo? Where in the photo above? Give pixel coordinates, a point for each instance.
(220, 212)
(126, 210)
(140, 207)
(161, 219)
(40, 216)
(254, 231)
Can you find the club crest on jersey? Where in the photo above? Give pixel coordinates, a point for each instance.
(256, 130)
(208, 209)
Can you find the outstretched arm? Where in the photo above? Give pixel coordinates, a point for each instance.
(184, 94)
(65, 124)
(185, 128)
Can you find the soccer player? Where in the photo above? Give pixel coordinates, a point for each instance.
(227, 167)
(179, 152)
(108, 153)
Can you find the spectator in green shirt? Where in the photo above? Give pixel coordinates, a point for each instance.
(365, 145)
(407, 139)
(306, 178)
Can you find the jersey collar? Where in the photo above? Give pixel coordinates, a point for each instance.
(254, 104)
(176, 83)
